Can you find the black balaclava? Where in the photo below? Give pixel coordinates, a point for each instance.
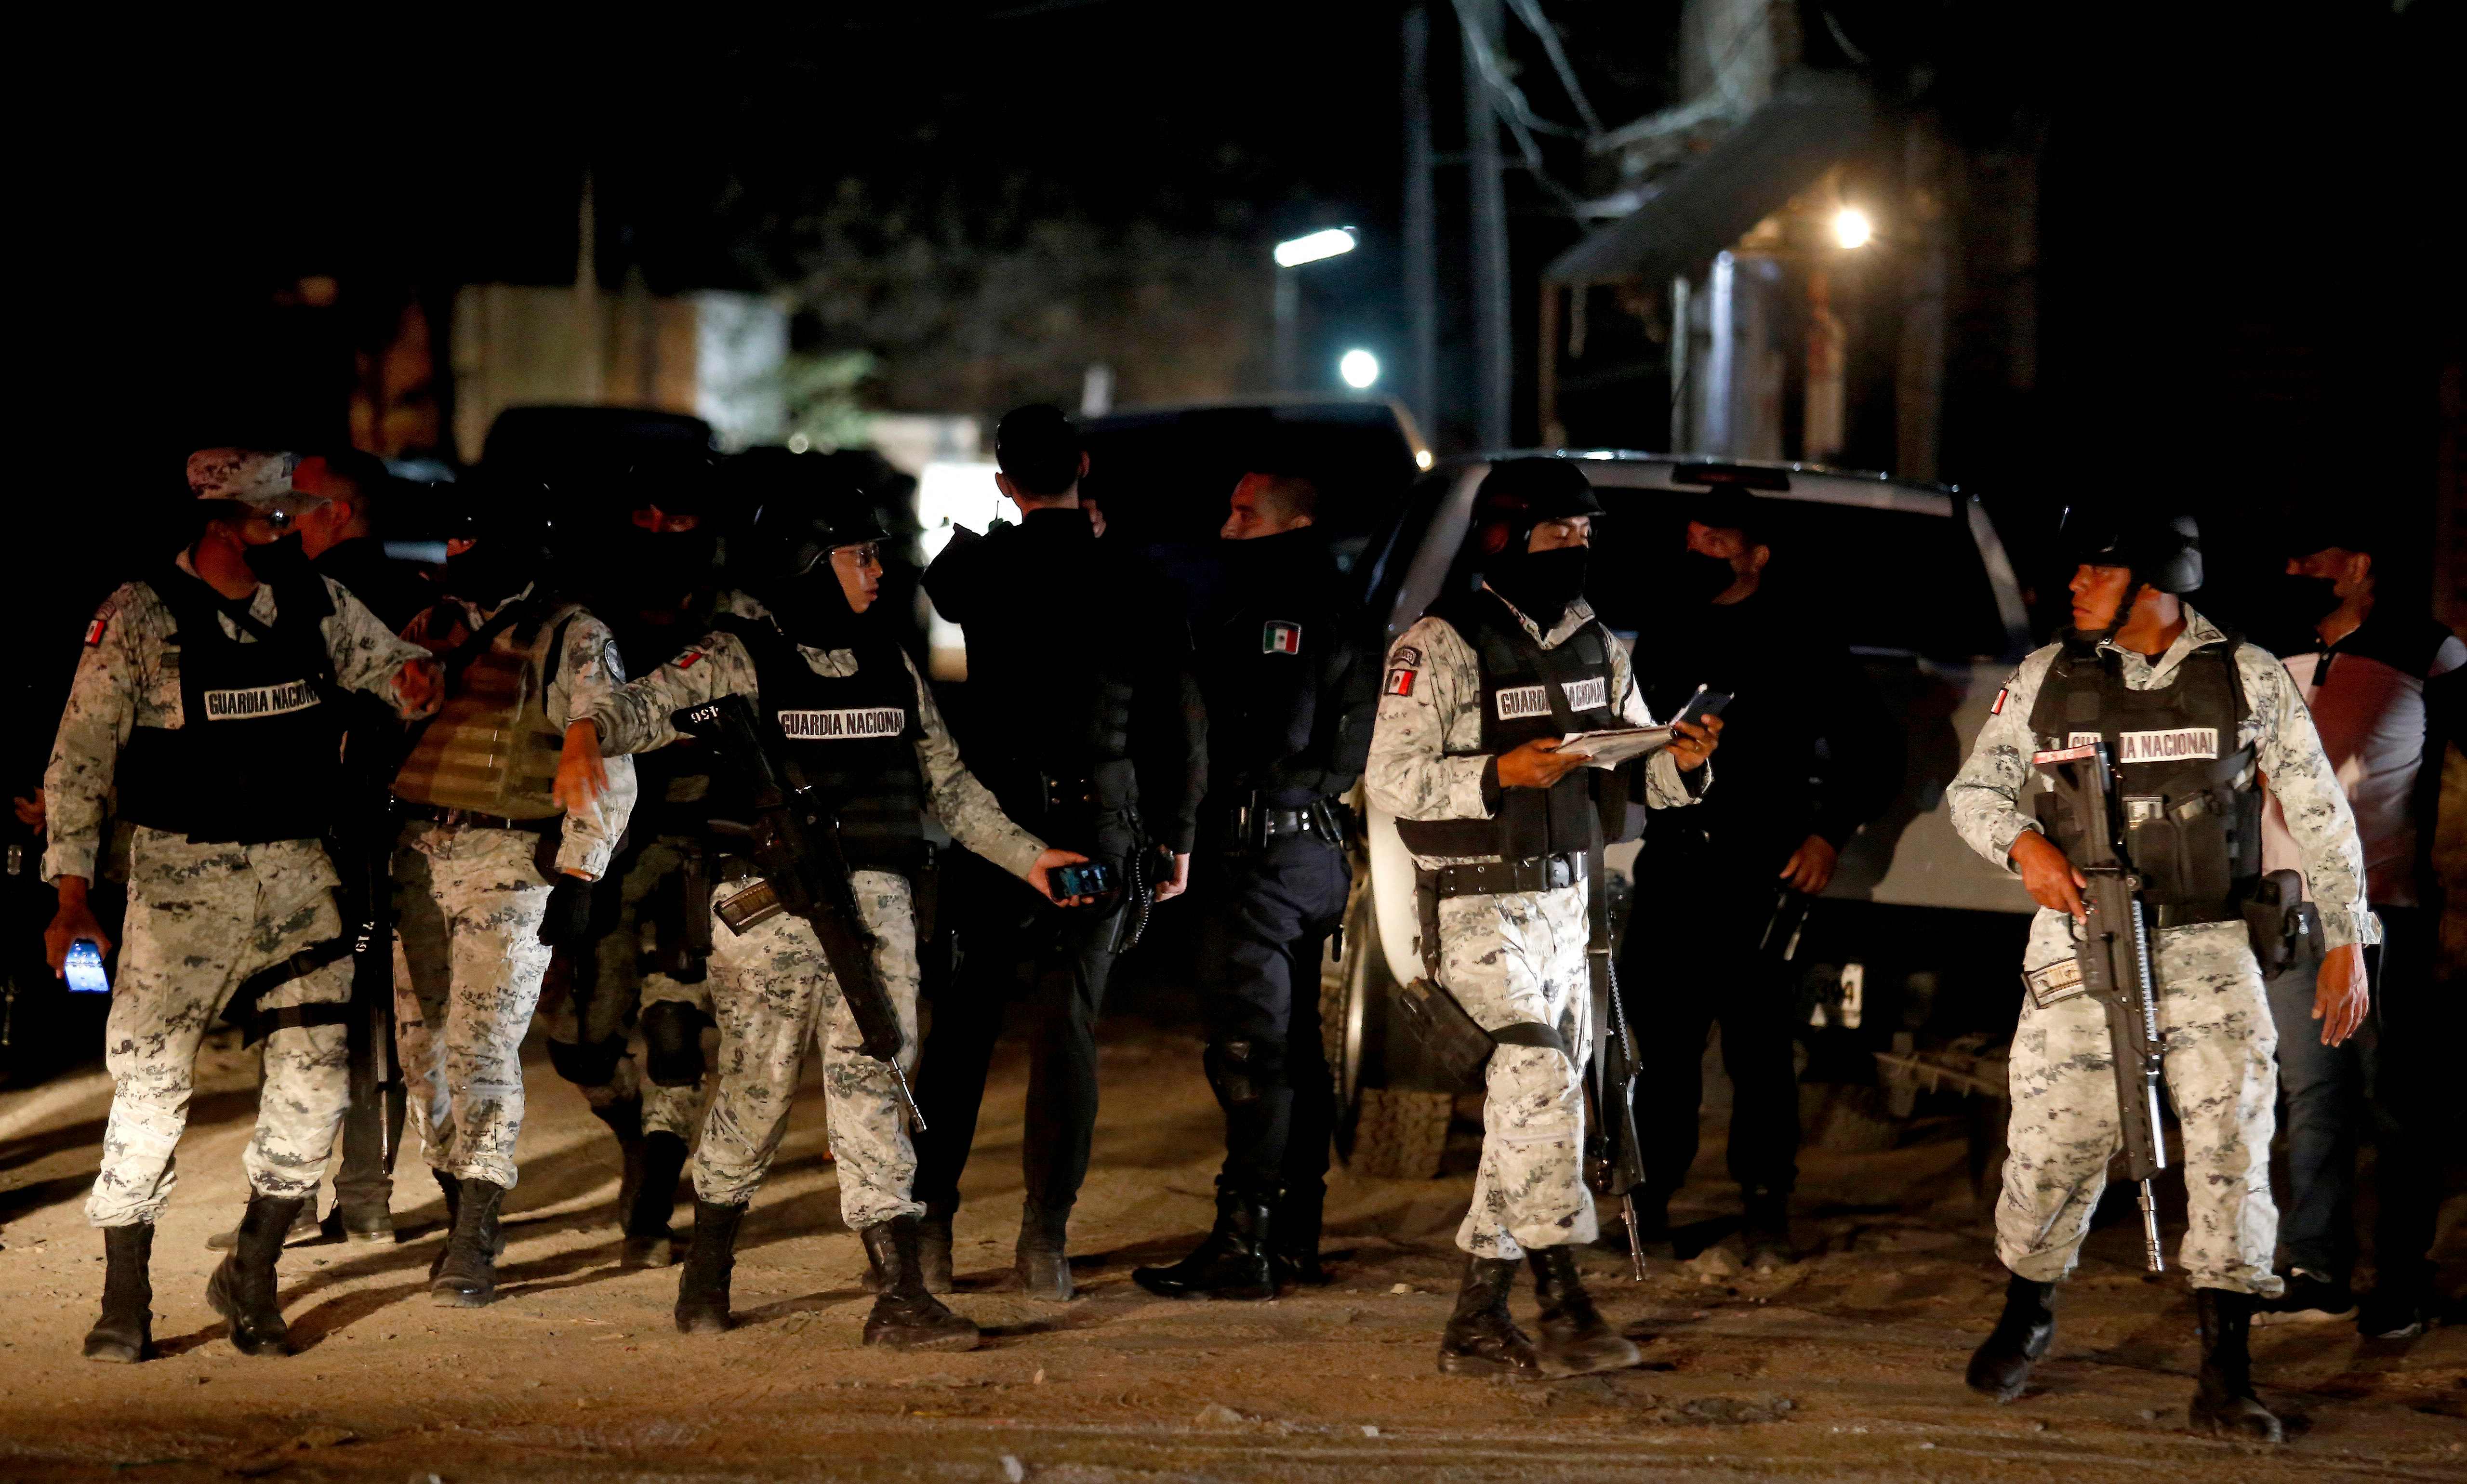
(496, 567)
(813, 609)
(1542, 584)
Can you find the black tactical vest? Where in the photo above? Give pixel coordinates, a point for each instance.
(852, 739)
(2192, 812)
(1526, 691)
(258, 753)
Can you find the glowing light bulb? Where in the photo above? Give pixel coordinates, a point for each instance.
(1359, 368)
(1852, 227)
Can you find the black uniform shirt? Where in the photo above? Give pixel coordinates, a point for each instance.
(1808, 749)
(1276, 663)
(1054, 617)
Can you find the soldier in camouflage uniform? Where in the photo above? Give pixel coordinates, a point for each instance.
(1500, 825)
(852, 714)
(208, 699)
(2161, 685)
(489, 878)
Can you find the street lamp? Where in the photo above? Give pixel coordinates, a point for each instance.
(1359, 368)
(1289, 255)
(1852, 228)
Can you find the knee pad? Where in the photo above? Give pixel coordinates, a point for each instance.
(1241, 1071)
(592, 1065)
(672, 1043)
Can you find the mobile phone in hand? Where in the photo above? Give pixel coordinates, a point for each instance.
(1703, 704)
(1084, 878)
(84, 969)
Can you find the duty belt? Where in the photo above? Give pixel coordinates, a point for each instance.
(1495, 878)
(472, 818)
(1255, 826)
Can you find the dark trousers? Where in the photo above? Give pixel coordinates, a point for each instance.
(1013, 944)
(2388, 1082)
(1266, 915)
(1691, 960)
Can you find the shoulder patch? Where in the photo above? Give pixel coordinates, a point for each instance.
(688, 659)
(1406, 658)
(1400, 683)
(1280, 636)
(611, 661)
(1998, 710)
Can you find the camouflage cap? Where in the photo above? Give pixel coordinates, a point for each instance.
(261, 481)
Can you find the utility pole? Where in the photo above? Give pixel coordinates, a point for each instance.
(1494, 368)
(1421, 229)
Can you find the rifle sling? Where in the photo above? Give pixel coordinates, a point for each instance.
(256, 1024)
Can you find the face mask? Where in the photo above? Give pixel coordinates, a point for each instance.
(1702, 578)
(278, 560)
(813, 610)
(488, 573)
(1542, 584)
(2308, 599)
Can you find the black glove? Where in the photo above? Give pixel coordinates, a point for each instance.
(569, 911)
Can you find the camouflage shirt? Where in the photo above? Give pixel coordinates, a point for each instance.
(1426, 756)
(1985, 796)
(634, 718)
(129, 676)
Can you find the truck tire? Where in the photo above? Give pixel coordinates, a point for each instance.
(1400, 1133)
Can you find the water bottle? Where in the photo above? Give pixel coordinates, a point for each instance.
(85, 973)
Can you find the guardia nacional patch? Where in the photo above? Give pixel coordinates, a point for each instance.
(1280, 636)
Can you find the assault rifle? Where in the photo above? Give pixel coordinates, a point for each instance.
(1614, 1157)
(796, 848)
(2114, 958)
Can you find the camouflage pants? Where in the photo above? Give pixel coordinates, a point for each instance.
(2222, 1080)
(469, 903)
(773, 995)
(1513, 958)
(619, 990)
(201, 919)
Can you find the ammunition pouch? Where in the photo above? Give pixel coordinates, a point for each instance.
(672, 1043)
(748, 903)
(2284, 928)
(587, 1064)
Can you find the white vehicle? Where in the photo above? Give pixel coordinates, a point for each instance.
(1916, 934)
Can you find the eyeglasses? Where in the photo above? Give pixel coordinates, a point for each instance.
(867, 553)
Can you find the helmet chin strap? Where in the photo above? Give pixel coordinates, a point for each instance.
(2091, 638)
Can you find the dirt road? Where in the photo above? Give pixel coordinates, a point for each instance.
(1844, 1366)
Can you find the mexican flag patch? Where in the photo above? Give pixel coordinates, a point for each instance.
(1280, 636)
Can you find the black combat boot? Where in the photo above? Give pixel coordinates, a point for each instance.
(2001, 1366)
(366, 1221)
(242, 1288)
(905, 1316)
(1481, 1340)
(2224, 1403)
(1231, 1262)
(1766, 1231)
(702, 1281)
(453, 1189)
(1043, 1263)
(467, 1278)
(1575, 1340)
(304, 1228)
(649, 1241)
(1293, 1237)
(125, 1332)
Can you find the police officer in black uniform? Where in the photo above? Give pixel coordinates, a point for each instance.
(1084, 717)
(1291, 694)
